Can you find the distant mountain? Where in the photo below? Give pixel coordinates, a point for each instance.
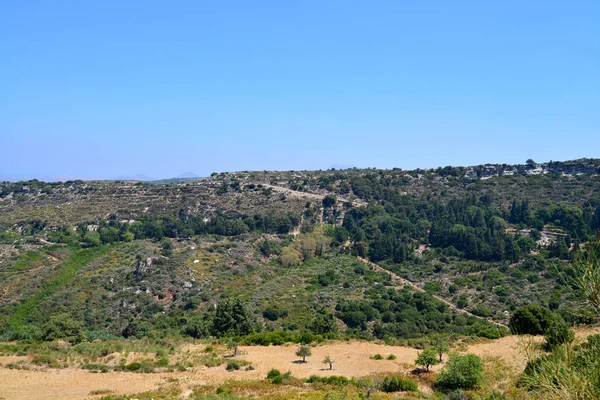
(187, 174)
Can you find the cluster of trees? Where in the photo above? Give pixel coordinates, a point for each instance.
(471, 226)
(306, 246)
(182, 225)
(405, 314)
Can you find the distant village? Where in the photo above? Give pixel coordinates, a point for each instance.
(568, 168)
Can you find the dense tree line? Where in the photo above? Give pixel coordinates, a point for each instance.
(182, 225)
(473, 226)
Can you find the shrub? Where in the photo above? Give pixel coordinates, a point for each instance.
(273, 373)
(138, 367)
(391, 357)
(96, 367)
(396, 384)
(47, 360)
(461, 372)
(232, 365)
(62, 326)
(162, 362)
(558, 333)
(531, 319)
(567, 372)
(334, 380)
(278, 380)
(376, 357)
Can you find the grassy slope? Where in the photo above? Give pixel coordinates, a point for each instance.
(64, 275)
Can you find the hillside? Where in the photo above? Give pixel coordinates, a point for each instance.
(300, 256)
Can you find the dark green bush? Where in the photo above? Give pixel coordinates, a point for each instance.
(46, 360)
(397, 384)
(334, 380)
(461, 372)
(273, 373)
(558, 333)
(96, 367)
(531, 319)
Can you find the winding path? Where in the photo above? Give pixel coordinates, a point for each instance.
(375, 267)
(397, 278)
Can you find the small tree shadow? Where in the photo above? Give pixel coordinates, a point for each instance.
(299, 362)
(419, 371)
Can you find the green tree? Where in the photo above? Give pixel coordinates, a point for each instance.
(195, 327)
(304, 351)
(329, 201)
(461, 372)
(92, 239)
(329, 361)
(232, 319)
(531, 319)
(233, 345)
(62, 326)
(323, 323)
(127, 236)
(167, 247)
(427, 358)
(441, 347)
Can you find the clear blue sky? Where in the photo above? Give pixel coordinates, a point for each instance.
(107, 88)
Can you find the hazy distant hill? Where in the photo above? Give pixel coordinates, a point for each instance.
(187, 174)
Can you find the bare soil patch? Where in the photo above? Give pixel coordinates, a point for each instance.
(352, 359)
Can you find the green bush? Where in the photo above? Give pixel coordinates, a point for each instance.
(277, 377)
(572, 370)
(235, 365)
(334, 380)
(558, 333)
(396, 384)
(162, 362)
(62, 326)
(96, 367)
(47, 360)
(461, 372)
(232, 365)
(138, 367)
(531, 319)
(273, 373)
(377, 357)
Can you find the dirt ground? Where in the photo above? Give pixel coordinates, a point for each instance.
(352, 359)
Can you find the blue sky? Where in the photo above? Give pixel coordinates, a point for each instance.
(102, 89)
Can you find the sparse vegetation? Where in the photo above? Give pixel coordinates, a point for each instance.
(108, 276)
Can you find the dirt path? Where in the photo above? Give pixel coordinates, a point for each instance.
(314, 196)
(397, 278)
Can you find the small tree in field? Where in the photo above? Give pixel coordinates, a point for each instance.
(233, 345)
(426, 358)
(441, 347)
(328, 360)
(304, 351)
